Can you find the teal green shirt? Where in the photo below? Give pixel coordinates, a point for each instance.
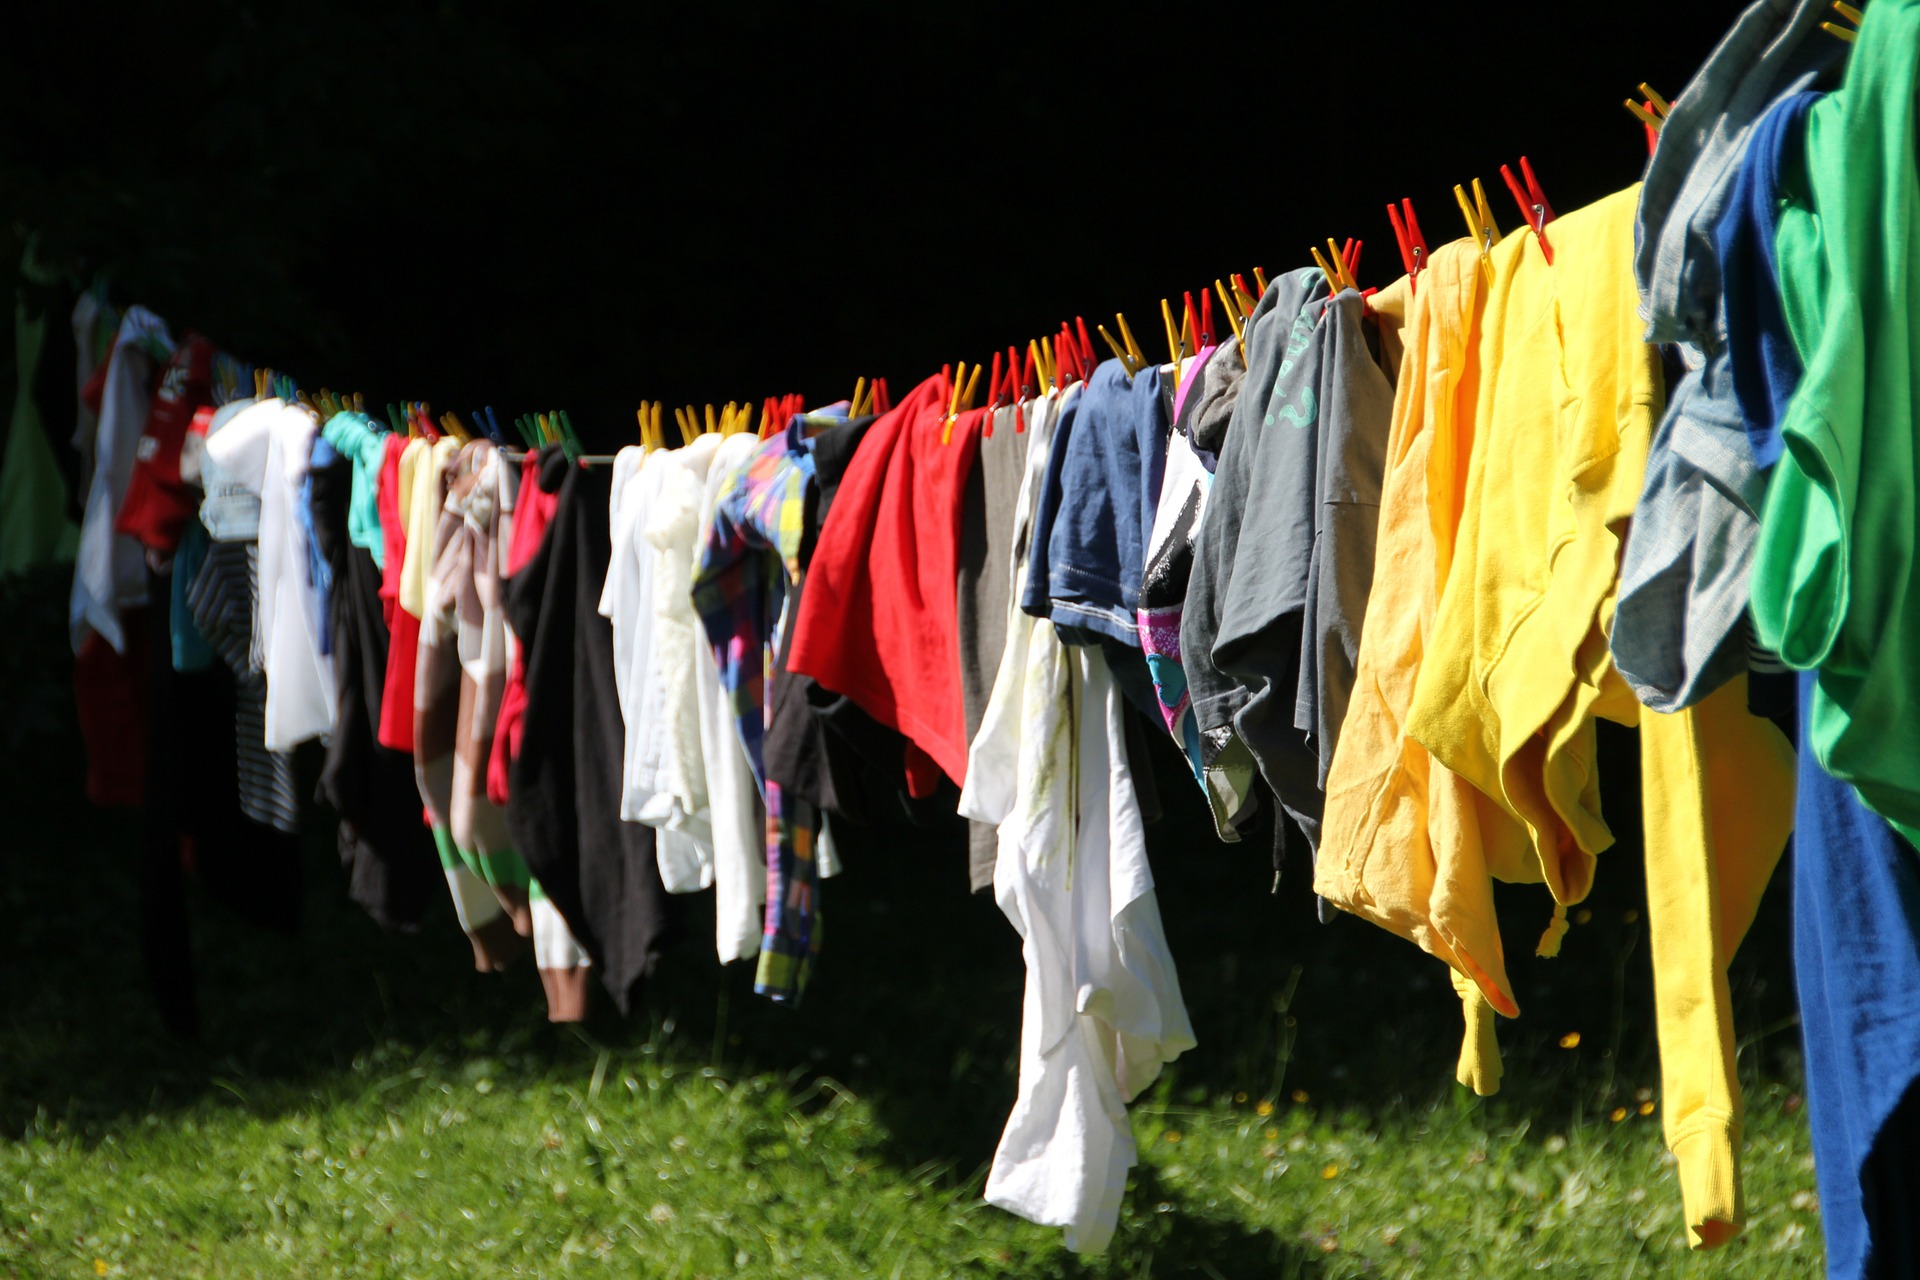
(1834, 587)
(355, 436)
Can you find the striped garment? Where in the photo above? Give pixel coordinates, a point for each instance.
(221, 599)
(749, 572)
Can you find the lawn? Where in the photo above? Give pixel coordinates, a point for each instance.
(360, 1104)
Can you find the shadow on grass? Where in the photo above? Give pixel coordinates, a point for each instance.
(916, 1004)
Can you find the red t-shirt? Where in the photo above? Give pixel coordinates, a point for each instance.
(158, 501)
(393, 534)
(532, 512)
(879, 617)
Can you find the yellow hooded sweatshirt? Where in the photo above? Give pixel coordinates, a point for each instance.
(1516, 669)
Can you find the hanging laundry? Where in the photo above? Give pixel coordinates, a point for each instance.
(880, 625)
(34, 526)
(1823, 597)
(1517, 671)
(419, 479)
(1169, 564)
(531, 510)
(387, 853)
(601, 874)
(158, 502)
(745, 588)
(1232, 598)
(1102, 1012)
(110, 574)
(737, 815)
(457, 683)
(986, 547)
(1680, 630)
(1405, 842)
(636, 585)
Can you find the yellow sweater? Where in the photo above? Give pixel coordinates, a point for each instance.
(1516, 670)
(1405, 842)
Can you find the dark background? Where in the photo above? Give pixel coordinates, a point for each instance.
(540, 206)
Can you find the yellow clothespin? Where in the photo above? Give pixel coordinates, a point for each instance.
(713, 423)
(1848, 12)
(1481, 228)
(973, 386)
(451, 424)
(1260, 281)
(646, 425)
(953, 402)
(1653, 112)
(859, 394)
(1137, 359)
(1233, 318)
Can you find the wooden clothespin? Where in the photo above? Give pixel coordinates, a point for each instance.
(1481, 228)
(1413, 245)
(1534, 208)
(1334, 266)
(1652, 113)
(1133, 345)
(953, 402)
(1176, 343)
(1233, 318)
(1243, 297)
(1848, 12)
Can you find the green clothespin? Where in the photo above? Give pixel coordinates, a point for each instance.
(572, 441)
(520, 425)
(393, 420)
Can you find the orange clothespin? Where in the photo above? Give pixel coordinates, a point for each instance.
(1533, 203)
(1413, 245)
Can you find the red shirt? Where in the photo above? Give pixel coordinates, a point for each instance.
(879, 616)
(532, 512)
(158, 501)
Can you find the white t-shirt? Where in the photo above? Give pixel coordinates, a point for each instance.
(1102, 1011)
(286, 619)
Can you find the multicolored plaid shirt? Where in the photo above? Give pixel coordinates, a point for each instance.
(749, 571)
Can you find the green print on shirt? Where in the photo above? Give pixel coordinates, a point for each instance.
(1297, 341)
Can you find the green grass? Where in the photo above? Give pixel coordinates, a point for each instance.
(364, 1105)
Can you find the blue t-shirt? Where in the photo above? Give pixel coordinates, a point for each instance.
(1766, 368)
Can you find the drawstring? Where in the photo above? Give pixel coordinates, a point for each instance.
(1550, 940)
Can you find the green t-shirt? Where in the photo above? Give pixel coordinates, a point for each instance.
(1834, 586)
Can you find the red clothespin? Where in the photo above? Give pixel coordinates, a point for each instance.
(1413, 245)
(1350, 254)
(993, 395)
(1206, 316)
(1533, 204)
(1086, 344)
(882, 398)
